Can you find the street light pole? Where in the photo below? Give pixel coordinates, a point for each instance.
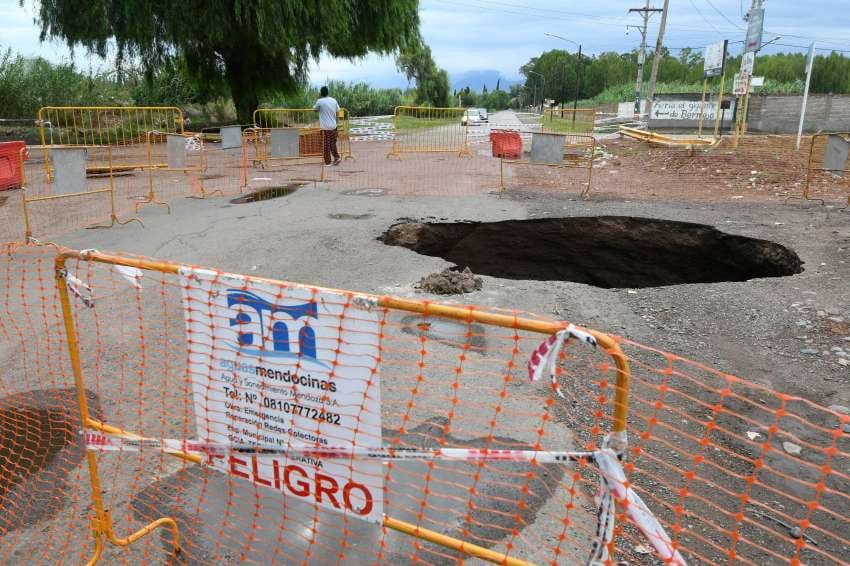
(578, 72)
(542, 88)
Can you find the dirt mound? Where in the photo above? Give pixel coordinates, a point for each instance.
(450, 282)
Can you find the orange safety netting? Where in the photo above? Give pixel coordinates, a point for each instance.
(733, 471)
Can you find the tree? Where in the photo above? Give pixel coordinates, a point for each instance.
(417, 63)
(467, 97)
(498, 83)
(254, 47)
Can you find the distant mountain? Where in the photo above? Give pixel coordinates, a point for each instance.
(477, 78)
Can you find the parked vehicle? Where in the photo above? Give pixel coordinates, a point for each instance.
(482, 112)
(471, 117)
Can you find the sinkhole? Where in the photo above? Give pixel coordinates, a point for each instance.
(604, 251)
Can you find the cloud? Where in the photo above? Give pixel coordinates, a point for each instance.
(468, 35)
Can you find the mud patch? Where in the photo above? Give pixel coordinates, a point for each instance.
(451, 281)
(268, 193)
(604, 251)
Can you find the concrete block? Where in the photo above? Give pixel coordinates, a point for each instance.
(69, 170)
(284, 142)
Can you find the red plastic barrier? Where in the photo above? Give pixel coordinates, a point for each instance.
(507, 144)
(10, 164)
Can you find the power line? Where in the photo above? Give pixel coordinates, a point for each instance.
(722, 15)
(704, 18)
(613, 21)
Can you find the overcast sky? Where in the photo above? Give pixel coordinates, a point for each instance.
(469, 35)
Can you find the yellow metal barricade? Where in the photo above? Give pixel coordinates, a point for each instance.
(579, 153)
(307, 120)
(108, 171)
(422, 129)
(83, 288)
(121, 127)
(568, 120)
(193, 166)
(819, 171)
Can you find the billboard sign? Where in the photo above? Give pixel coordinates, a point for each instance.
(714, 58)
(754, 30)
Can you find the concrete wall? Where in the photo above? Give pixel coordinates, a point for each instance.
(776, 113)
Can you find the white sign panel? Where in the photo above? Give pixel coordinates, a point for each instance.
(748, 62)
(683, 110)
(756, 81)
(739, 86)
(714, 57)
(287, 367)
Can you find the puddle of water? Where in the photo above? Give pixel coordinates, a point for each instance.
(347, 216)
(365, 192)
(267, 193)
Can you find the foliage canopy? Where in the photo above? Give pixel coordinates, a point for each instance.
(254, 47)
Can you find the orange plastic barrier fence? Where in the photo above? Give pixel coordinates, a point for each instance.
(403, 431)
(579, 153)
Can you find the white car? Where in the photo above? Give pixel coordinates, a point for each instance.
(471, 117)
(482, 113)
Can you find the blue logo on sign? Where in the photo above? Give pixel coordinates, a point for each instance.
(282, 339)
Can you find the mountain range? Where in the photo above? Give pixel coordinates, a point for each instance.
(476, 79)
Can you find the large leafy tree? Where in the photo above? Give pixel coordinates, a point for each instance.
(432, 83)
(252, 47)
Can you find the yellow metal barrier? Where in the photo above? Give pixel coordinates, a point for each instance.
(102, 523)
(568, 121)
(421, 129)
(579, 152)
(195, 168)
(121, 127)
(258, 140)
(817, 146)
(307, 120)
(110, 189)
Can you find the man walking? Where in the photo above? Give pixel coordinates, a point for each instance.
(328, 107)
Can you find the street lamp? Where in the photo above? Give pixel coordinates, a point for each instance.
(578, 73)
(542, 88)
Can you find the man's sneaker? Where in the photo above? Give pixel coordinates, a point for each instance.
(337, 162)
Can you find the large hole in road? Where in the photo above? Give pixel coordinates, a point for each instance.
(604, 251)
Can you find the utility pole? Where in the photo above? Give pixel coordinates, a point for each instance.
(645, 12)
(752, 44)
(659, 44)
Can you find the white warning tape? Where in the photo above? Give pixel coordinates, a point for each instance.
(544, 359)
(106, 442)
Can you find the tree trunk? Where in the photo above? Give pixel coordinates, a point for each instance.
(246, 101)
(245, 97)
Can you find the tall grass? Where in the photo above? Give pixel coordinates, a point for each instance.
(28, 84)
(359, 98)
